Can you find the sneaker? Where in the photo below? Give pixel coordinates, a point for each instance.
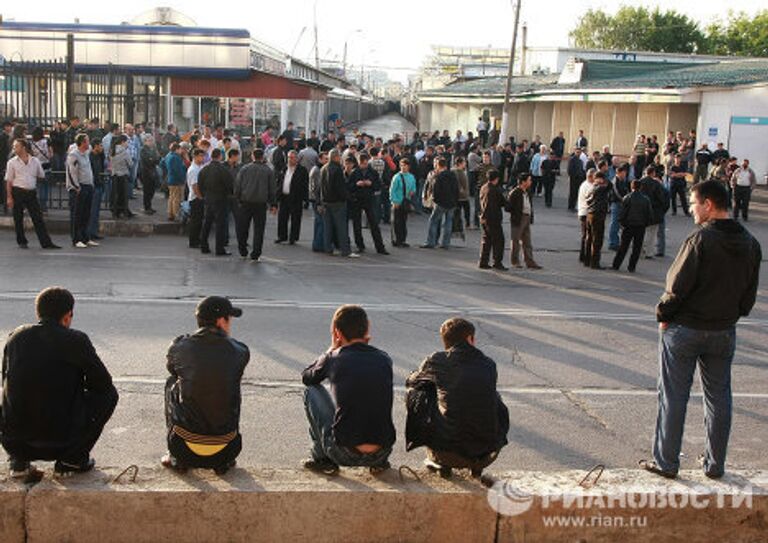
(324, 466)
(484, 266)
(81, 245)
(61, 467)
(445, 472)
(427, 246)
(52, 246)
(169, 461)
(353, 255)
(92, 244)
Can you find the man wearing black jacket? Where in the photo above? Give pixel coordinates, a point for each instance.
(520, 164)
(362, 184)
(491, 216)
(216, 185)
(654, 190)
(351, 426)
(520, 207)
(292, 190)
(445, 194)
(471, 422)
(334, 196)
(576, 175)
(711, 284)
(57, 394)
(597, 209)
(635, 215)
(202, 393)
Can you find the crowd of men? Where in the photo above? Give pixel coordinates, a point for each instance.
(213, 179)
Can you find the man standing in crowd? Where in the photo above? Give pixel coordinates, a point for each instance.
(520, 207)
(597, 209)
(743, 182)
(491, 217)
(202, 393)
(460, 171)
(576, 176)
(710, 285)
(363, 183)
(5, 151)
(334, 195)
(678, 185)
(635, 215)
(470, 421)
(195, 198)
(149, 160)
(293, 190)
(21, 175)
(352, 426)
(57, 394)
(482, 132)
(315, 197)
(401, 191)
(445, 194)
(619, 189)
(703, 160)
(98, 162)
(654, 190)
(581, 141)
(254, 192)
(80, 188)
(177, 176)
(216, 185)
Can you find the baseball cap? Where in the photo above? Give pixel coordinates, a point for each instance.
(214, 307)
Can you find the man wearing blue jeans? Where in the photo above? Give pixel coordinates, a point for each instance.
(351, 425)
(445, 194)
(711, 284)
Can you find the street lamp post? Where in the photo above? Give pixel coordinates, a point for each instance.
(504, 136)
(346, 40)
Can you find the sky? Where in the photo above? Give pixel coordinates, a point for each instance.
(395, 35)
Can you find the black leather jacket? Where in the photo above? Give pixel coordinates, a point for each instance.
(202, 394)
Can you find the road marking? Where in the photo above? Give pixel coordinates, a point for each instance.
(534, 391)
(381, 307)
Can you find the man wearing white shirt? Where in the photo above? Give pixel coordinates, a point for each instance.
(293, 189)
(21, 175)
(581, 208)
(195, 198)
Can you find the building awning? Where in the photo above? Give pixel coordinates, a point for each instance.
(257, 85)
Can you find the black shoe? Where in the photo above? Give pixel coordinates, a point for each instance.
(383, 252)
(631, 270)
(23, 246)
(381, 468)
(129, 215)
(243, 253)
(615, 267)
(659, 255)
(280, 241)
(224, 468)
(292, 242)
(194, 245)
(19, 468)
(255, 258)
(205, 250)
(484, 266)
(500, 267)
(61, 467)
(702, 461)
(405, 245)
(324, 466)
(427, 246)
(445, 472)
(52, 246)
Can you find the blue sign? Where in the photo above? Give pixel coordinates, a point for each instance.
(750, 120)
(712, 131)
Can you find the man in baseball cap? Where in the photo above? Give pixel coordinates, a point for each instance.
(203, 416)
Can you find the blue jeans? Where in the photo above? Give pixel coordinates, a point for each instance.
(93, 220)
(318, 238)
(320, 410)
(435, 220)
(613, 232)
(336, 228)
(680, 350)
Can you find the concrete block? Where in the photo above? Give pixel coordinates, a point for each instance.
(259, 505)
(12, 511)
(631, 505)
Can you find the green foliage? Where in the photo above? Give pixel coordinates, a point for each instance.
(641, 29)
(741, 34)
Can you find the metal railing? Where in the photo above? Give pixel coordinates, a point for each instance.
(57, 196)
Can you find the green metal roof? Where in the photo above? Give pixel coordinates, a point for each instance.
(602, 75)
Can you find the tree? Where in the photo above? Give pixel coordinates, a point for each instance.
(741, 34)
(637, 28)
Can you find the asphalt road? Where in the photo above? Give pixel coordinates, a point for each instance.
(576, 349)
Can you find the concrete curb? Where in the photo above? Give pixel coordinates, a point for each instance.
(107, 227)
(292, 505)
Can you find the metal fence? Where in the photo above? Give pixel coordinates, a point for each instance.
(55, 196)
(41, 93)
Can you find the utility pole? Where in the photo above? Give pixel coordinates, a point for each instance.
(317, 49)
(504, 136)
